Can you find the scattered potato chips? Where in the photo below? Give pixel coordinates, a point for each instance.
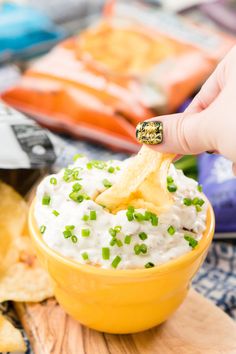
(21, 277)
(13, 212)
(10, 337)
(142, 185)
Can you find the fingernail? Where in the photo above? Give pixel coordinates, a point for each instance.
(150, 132)
(210, 152)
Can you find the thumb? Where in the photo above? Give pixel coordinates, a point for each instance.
(182, 133)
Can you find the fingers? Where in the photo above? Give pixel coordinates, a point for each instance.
(181, 133)
(209, 91)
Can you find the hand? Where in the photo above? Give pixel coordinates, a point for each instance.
(209, 123)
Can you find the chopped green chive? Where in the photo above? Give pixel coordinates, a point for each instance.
(198, 201)
(71, 175)
(131, 208)
(119, 243)
(171, 230)
(111, 169)
(76, 197)
(154, 220)
(172, 187)
(199, 188)
(85, 217)
(106, 183)
(97, 164)
(89, 165)
(46, 200)
(127, 239)
(70, 227)
(112, 232)
(147, 215)
(67, 233)
(85, 232)
(149, 265)
(130, 215)
(116, 261)
(118, 168)
(118, 228)
(140, 249)
(85, 256)
(74, 239)
(191, 241)
(77, 156)
(76, 187)
(143, 248)
(42, 229)
(113, 241)
(53, 180)
(106, 253)
(143, 236)
(198, 208)
(169, 180)
(187, 201)
(137, 250)
(139, 217)
(55, 213)
(93, 215)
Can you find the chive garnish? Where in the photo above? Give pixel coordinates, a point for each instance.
(67, 233)
(42, 229)
(106, 253)
(77, 156)
(143, 236)
(46, 200)
(112, 232)
(137, 249)
(74, 239)
(85, 232)
(199, 188)
(172, 187)
(113, 241)
(130, 215)
(55, 212)
(191, 241)
(93, 215)
(85, 217)
(106, 183)
(187, 201)
(111, 169)
(140, 248)
(116, 261)
(198, 208)
(127, 239)
(76, 187)
(85, 256)
(149, 265)
(53, 180)
(143, 248)
(169, 180)
(76, 197)
(171, 230)
(71, 175)
(119, 243)
(139, 217)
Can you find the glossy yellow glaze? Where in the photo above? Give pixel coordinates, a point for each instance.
(120, 301)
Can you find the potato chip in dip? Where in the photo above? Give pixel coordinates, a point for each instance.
(74, 224)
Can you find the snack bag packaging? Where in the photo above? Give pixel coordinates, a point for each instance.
(25, 32)
(135, 63)
(219, 185)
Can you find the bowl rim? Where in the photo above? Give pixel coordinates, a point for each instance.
(172, 265)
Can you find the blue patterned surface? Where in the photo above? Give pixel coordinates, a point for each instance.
(216, 279)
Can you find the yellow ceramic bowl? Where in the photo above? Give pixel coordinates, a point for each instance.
(120, 301)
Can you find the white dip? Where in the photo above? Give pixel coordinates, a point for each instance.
(88, 233)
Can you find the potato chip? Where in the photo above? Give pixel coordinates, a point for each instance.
(10, 337)
(13, 212)
(21, 277)
(142, 184)
(25, 280)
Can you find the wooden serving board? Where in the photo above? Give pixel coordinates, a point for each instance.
(197, 327)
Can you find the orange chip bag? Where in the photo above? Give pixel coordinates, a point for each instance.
(123, 70)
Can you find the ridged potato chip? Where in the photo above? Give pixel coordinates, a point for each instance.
(142, 184)
(10, 337)
(21, 277)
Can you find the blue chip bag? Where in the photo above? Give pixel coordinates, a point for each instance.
(25, 32)
(219, 185)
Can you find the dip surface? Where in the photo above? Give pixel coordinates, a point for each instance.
(75, 226)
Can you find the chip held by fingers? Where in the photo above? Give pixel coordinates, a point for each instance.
(146, 172)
